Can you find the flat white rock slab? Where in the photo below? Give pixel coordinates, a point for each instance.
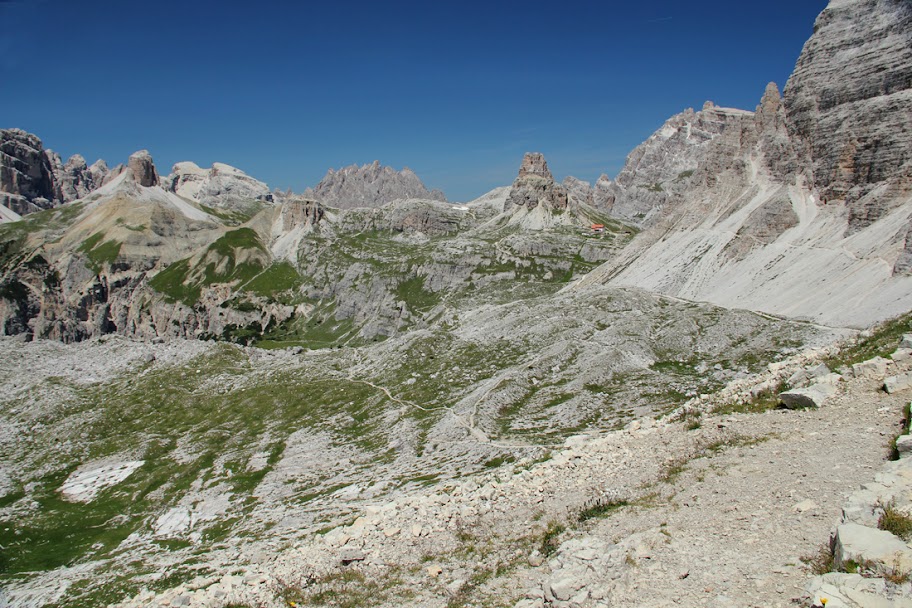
(83, 485)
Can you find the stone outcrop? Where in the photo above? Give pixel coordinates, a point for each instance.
(301, 212)
(535, 186)
(578, 190)
(220, 187)
(599, 195)
(229, 187)
(370, 185)
(534, 165)
(848, 99)
(32, 178)
(74, 179)
(186, 179)
(143, 169)
(813, 396)
(26, 175)
(810, 193)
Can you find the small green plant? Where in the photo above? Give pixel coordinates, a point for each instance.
(499, 460)
(600, 507)
(895, 521)
(881, 341)
(693, 420)
(551, 538)
(904, 430)
(821, 561)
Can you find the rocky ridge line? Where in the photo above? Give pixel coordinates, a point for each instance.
(370, 185)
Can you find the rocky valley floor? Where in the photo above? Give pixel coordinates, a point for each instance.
(709, 505)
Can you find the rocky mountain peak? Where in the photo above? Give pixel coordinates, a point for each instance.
(143, 169)
(534, 186)
(370, 185)
(771, 101)
(849, 95)
(533, 163)
(26, 174)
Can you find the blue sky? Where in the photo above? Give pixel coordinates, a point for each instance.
(455, 91)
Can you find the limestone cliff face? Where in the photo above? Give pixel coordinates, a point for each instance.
(849, 100)
(801, 208)
(32, 178)
(369, 186)
(26, 175)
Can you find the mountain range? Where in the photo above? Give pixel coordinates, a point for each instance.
(216, 393)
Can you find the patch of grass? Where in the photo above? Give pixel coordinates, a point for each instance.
(904, 430)
(550, 540)
(416, 297)
(172, 283)
(181, 282)
(693, 420)
(600, 507)
(684, 175)
(762, 402)
(499, 460)
(233, 217)
(673, 468)
(895, 521)
(347, 588)
(100, 254)
(275, 279)
(881, 342)
(242, 238)
(821, 561)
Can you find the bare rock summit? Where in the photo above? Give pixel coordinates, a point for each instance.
(534, 163)
(535, 186)
(221, 186)
(143, 169)
(370, 185)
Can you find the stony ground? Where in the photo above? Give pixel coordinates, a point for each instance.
(707, 506)
(717, 515)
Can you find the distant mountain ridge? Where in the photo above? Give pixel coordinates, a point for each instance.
(735, 207)
(370, 185)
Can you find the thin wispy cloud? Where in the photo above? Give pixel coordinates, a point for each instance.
(659, 20)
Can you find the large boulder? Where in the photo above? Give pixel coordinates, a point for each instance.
(863, 544)
(872, 368)
(813, 396)
(899, 382)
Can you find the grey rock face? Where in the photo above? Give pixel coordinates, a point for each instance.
(369, 186)
(75, 179)
(143, 169)
(232, 188)
(25, 172)
(32, 178)
(688, 149)
(533, 164)
(578, 189)
(848, 99)
(535, 186)
(602, 195)
(301, 212)
(221, 187)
